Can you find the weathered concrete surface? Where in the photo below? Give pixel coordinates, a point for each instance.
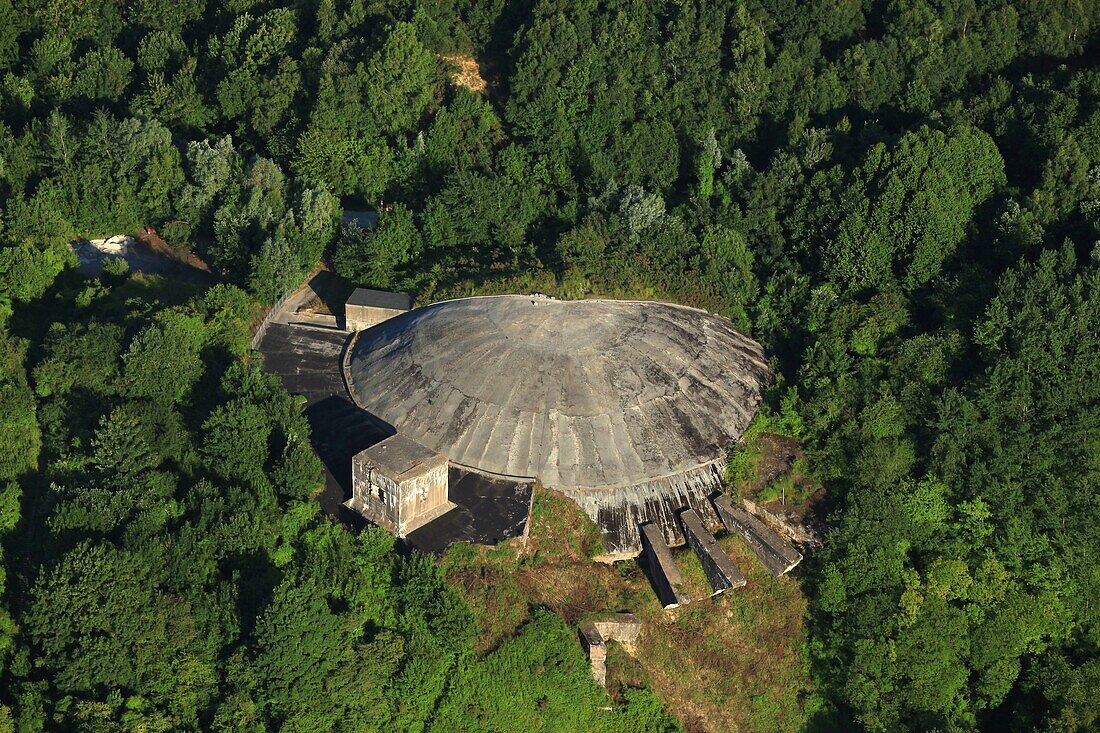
(487, 511)
(720, 570)
(399, 484)
(620, 512)
(596, 647)
(307, 360)
(774, 553)
(663, 570)
(621, 627)
(615, 403)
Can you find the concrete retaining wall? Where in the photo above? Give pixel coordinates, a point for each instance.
(774, 553)
(719, 568)
(662, 568)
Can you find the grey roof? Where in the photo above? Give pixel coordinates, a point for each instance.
(593, 395)
(363, 219)
(399, 455)
(380, 299)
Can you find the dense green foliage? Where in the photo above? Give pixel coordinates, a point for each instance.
(900, 199)
(173, 573)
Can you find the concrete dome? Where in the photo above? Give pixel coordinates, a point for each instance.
(590, 396)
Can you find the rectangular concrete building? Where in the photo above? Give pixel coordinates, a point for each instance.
(399, 484)
(365, 308)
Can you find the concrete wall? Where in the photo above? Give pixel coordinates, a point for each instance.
(375, 495)
(720, 570)
(621, 627)
(596, 648)
(361, 317)
(421, 497)
(662, 568)
(774, 553)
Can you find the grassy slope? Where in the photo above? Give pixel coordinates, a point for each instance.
(731, 663)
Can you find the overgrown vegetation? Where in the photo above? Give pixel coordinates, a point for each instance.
(717, 664)
(898, 199)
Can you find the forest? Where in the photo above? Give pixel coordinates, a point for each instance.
(900, 199)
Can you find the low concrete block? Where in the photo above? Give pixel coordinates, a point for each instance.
(621, 627)
(719, 568)
(774, 553)
(662, 568)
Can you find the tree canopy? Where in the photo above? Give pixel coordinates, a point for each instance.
(900, 200)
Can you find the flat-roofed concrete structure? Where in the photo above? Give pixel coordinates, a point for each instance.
(627, 407)
(775, 553)
(365, 307)
(399, 484)
(721, 572)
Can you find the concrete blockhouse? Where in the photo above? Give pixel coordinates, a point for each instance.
(365, 308)
(399, 484)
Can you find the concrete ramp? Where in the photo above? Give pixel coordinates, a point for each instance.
(720, 570)
(775, 554)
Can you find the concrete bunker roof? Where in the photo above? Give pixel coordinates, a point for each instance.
(400, 457)
(380, 299)
(589, 394)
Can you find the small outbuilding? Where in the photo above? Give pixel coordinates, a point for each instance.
(399, 484)
(365, 307)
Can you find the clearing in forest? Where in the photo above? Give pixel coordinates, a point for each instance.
(465, 72)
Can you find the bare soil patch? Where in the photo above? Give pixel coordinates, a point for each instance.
(465, 72)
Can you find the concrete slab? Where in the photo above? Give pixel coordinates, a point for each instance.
(401, 457)
(663, 571)
(775, 553)
(621, 627)
(720, 570)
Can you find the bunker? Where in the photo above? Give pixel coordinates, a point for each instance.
(399, 484)
(627, 407)
(365, 308)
